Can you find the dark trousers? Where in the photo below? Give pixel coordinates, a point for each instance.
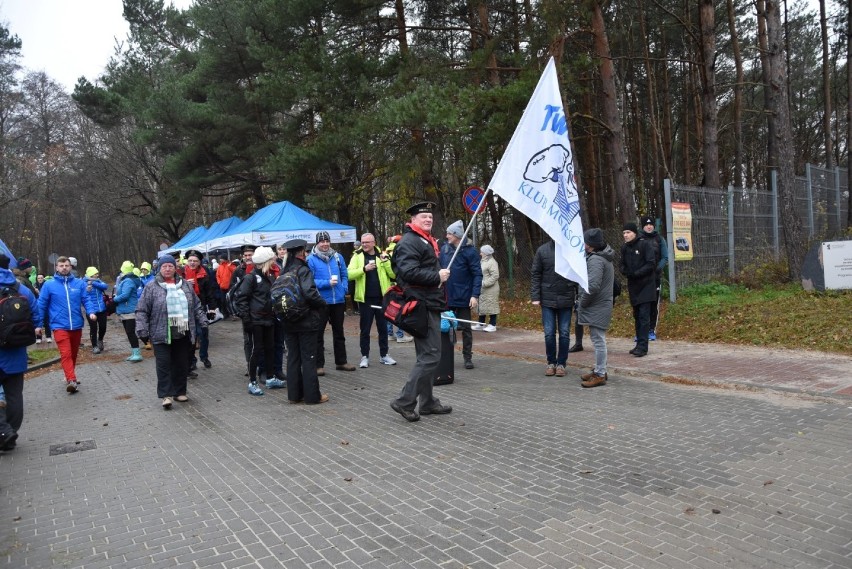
(302, 380)
(248, 342)
(463, 312)
(367, 316)
(419, 384)
(263, 346)
(97, 327)
(642, 320)
(172, 364)
(130, 330)
(334, 315)
(12, 416)
(278, 347)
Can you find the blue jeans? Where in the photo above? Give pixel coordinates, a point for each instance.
(550, 319)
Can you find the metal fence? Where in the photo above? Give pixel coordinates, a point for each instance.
(735, 228)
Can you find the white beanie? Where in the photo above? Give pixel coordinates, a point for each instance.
(486, 250)
(262, 254)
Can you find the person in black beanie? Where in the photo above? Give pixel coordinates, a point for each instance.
(638, 262)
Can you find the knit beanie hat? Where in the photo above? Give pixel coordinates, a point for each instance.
(630, 226)
(262, 254)
(73, 261)
(126, 267)
(24, 264)
(456, 228)
(594, 238)
(486, 250)
(145, 266)
(166, 260)
(647, 220)
(92, 271)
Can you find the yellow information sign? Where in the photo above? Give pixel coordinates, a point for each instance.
(682, 231)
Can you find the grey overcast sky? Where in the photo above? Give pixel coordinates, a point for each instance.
(67, 38)
(70, 38)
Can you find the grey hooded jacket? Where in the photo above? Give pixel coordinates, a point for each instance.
(596, 305)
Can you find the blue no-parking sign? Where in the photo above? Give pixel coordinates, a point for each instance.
(472, 198)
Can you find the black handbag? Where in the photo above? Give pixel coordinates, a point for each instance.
(407, 313)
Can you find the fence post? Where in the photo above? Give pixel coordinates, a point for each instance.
(773, 178)
(667, 192)
(839, 196)
(810, 187)
(731, 251)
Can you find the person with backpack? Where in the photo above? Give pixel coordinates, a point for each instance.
(300, 334)
(63, 297)
(126, 299)
(661, 254)
(245, 267)
(95, 288)
(594, 309)
(40, 280)
(638, 266)
(401, 337)
(254, 307)
(21, 319)
(370, 270)
(170, 315)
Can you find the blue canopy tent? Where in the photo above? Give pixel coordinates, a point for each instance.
(280, 222)
(188, 239)
(13, 263)
(218, 229)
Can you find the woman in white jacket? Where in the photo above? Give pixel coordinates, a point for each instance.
(489, 298)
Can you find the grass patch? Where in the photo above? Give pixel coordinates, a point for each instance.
(41, 355)
(781, 316)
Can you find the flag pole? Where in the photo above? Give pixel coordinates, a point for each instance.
(469, 225)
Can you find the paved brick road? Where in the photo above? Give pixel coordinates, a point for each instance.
(527, 472)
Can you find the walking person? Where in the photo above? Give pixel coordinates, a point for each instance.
(661, 254)
(95, 289)
(419, 274)
(45, 334)
(556, 295)
(464, 285)
(13, 364)
(169, 315)
(301, 335)
(638, 265)
(332, 282)
(126, 300)
(64, 297)
(254, 306)
(595, 307)
(370, 270)
(489, 298)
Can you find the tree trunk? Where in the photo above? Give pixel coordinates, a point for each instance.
(401, 28)
(848, 114)
(771, 150)
(710, 146)
(738, 97)
(615, 134)
(826, 88)
(794, 240)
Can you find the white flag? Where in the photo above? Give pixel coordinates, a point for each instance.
(536, 176)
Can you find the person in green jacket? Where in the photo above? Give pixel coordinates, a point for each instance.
(371, 270)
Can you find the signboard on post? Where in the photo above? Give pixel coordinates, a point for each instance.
(837, 264)
(682, 231)
(472, 198)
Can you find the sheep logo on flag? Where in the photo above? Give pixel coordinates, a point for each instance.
(554, 164)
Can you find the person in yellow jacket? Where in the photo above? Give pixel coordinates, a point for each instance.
(370, 269)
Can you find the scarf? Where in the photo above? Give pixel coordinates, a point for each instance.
(324, 255)
(177, 307)
(427, 236)
(195, 274)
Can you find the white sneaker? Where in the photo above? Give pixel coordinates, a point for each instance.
(405, 339)
(49, 340)
(388, 361)
(365, 362)
(476, 327)
(38, 340)
(490, 328)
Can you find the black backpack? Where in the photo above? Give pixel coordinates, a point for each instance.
(16, 319)
(231, 295)
(288, 298)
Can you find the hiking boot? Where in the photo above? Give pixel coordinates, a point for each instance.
(365, 362)
(437, 410)
(206, 363)
(96, 350)
(71, 387)
(560, 371)
(388, 361)
(345, 367)
(148, 346)
(101, 345)
(404, 339)
(591, 374)
(167, 402)
(275, 383)
(550, 370)
(468, 364)
(254, 388)
(410, 416)
(594, 381)
(575, 348)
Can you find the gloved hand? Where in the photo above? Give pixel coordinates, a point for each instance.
(144, 339)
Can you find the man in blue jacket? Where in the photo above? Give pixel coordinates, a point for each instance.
(464, 284)
(13, 364)
(332, 282)
(62, 298)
